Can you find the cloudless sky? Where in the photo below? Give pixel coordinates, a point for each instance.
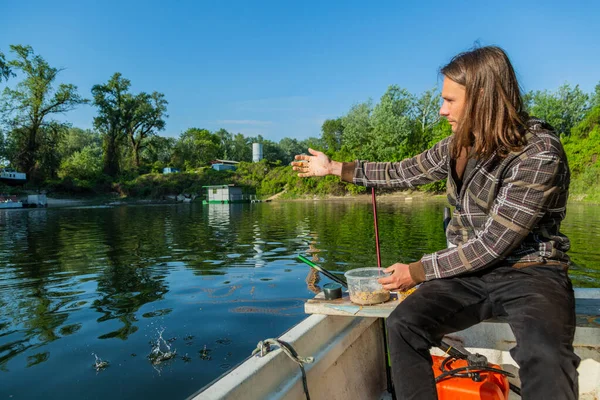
(280, 68)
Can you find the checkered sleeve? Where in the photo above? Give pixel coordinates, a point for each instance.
(429, 166)
(529, 186)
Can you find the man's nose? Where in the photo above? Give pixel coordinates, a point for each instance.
(444, 112)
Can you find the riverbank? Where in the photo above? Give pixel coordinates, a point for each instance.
(266, 180)
(389, 197)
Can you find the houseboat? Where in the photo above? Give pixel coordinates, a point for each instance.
(10, 176)
(225, 194)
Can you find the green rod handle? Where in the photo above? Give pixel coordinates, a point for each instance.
(323, 271)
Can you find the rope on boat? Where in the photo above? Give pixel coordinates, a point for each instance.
(264, 346)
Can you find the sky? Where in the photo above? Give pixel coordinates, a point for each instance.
(281, 68)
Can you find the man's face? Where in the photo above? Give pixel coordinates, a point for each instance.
(453, 96)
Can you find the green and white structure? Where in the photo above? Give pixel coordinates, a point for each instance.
(225, 194)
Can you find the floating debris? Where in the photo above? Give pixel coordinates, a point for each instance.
(205, 354)
(188, 340)
(99, 364)
(161, 351)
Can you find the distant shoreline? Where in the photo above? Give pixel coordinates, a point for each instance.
(65, 201)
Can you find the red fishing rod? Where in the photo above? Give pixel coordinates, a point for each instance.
(376, 229)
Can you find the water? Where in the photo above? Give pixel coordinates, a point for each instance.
(157, 301)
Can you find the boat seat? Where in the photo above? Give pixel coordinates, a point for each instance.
(587, 308)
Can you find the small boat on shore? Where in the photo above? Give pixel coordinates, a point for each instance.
(10, 201)
(346, 344)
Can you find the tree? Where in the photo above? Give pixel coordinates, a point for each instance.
(143, 118)
(225, 141)
(595, 98)
(289, 148)
(5, 71)
(84, 164)
(112, 101)
(583, 149)
(241, 148)
(562, 109)
(332, 132)
(426, 117)
(357, 129)
(391, 137)
(196, 148)
(75, 139)
(271, 150)
(158, 151)
(31, 104)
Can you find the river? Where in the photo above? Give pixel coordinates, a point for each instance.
(156, 301)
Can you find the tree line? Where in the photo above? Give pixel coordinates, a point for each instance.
(125, 141)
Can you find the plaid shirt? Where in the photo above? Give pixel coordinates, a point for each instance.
(508, 210)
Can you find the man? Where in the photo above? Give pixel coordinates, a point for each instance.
(507, 179)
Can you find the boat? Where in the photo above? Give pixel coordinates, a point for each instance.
(347, 346)
(10, 201)
(12, 177)
(227, 194)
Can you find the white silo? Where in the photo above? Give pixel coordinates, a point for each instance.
(257, 152)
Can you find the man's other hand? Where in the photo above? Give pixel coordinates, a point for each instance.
(399, 279)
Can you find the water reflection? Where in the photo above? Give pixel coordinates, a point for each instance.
(313, 278)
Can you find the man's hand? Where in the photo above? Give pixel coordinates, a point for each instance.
(399, 280)
(316, 165)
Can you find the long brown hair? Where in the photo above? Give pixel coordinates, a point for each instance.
(493, 117)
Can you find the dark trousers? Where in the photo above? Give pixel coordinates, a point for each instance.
(538, 304)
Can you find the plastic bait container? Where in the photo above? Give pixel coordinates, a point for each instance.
(364, 288)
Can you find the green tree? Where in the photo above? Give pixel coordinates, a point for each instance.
(426, 117)
(30, 106)
(313, 143)
(196, 148)
(225, 140)
(595, 97)
(75, 139)
(5, 71)
(144, 118)
(271, 151)
(562, 109)
(391, 138)
(158, 152)
(289, 148)
(241, 148)
(357, 129)
(332, 132)
(85, 164)
(583, 150)
(440, 130)
(112, 100)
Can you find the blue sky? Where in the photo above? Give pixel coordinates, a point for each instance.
(280, 68)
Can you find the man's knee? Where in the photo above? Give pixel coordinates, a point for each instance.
(404, 316)
(536, 354)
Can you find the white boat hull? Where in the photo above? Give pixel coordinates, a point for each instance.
(11, 204)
